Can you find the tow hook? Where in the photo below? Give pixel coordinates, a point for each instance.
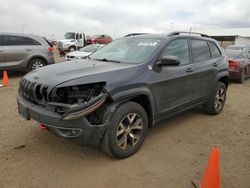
(43, 127)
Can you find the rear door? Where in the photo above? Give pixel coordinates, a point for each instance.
(17, 49)
(173, 86)
(1, 52)
(206, 67)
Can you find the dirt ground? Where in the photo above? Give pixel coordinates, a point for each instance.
(174, 152)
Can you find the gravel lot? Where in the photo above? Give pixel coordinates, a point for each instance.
(174, 152)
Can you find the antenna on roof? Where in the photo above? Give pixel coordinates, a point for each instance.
(22, 29)
(190, 30)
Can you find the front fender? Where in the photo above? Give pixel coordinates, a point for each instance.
(132, 93)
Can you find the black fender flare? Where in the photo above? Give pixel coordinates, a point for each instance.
(129, 94)
(222, 74)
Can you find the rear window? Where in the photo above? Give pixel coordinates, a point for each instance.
(234, 47)
(10, 40)
(200, 50)
(48, 42)
(214, 50)
(234, 54)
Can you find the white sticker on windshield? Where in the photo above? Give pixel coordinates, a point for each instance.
(147, 43)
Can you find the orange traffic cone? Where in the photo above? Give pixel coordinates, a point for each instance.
(211, 178)
(5, 79)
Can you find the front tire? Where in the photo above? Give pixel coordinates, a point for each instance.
(126, 132)
(72, 49)
(217, 99)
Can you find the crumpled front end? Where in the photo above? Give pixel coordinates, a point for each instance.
(80, 112)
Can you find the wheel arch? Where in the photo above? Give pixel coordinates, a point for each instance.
(74, 46)
(224, 80)
(141, 96)
(223, 77)
(36, 57)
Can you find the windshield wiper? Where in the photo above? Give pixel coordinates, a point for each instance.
(107, 60)
(86, 57)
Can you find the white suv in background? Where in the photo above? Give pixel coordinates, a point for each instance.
(83, 52)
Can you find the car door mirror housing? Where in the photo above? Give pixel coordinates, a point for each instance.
(169, 60)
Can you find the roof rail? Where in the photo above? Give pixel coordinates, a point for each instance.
(189, 33)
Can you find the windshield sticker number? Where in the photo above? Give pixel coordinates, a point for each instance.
(147, 43)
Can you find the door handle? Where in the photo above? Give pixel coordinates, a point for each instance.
(215, 64)
(28, 49)
(189, 70)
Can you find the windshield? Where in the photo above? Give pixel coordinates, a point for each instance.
(69, 36)
(234, 47)
(90, 48)
(128, 50)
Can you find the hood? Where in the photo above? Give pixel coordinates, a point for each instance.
(82, 71)
(65, 40)
(79, 54)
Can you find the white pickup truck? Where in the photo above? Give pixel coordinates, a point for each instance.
(72, 41)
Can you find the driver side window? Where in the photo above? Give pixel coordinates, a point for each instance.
(178, 48)
(78, 36)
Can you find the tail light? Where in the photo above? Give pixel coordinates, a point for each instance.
(234, 64)
(50, 49)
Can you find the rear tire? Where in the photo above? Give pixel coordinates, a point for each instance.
(126, 132)
(217, 99)
(242, 76)
(35, 63)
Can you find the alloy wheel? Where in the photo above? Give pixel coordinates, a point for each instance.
(37, 64)
(220, 99)
(243, 75)
(129, 131)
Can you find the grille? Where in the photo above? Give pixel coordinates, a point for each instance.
(33, 91)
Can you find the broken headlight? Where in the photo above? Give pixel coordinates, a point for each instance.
(74, 102)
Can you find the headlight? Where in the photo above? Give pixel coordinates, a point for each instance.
(74, 102)
(66, 45)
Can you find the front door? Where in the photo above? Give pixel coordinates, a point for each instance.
(173, 86)
(79, 40)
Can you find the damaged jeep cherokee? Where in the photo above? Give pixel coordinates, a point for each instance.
(112, 97)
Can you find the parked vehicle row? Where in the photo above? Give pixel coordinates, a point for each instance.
(75, 40)
(112, 97)
(24, 52)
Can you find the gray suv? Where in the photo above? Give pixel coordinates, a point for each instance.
(113, 96)
(24, 52)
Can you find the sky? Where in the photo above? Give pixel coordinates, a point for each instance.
(119, 17)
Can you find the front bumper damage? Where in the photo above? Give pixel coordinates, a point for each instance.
(73, 124)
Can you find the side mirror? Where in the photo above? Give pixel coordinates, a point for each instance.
(169, 60)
